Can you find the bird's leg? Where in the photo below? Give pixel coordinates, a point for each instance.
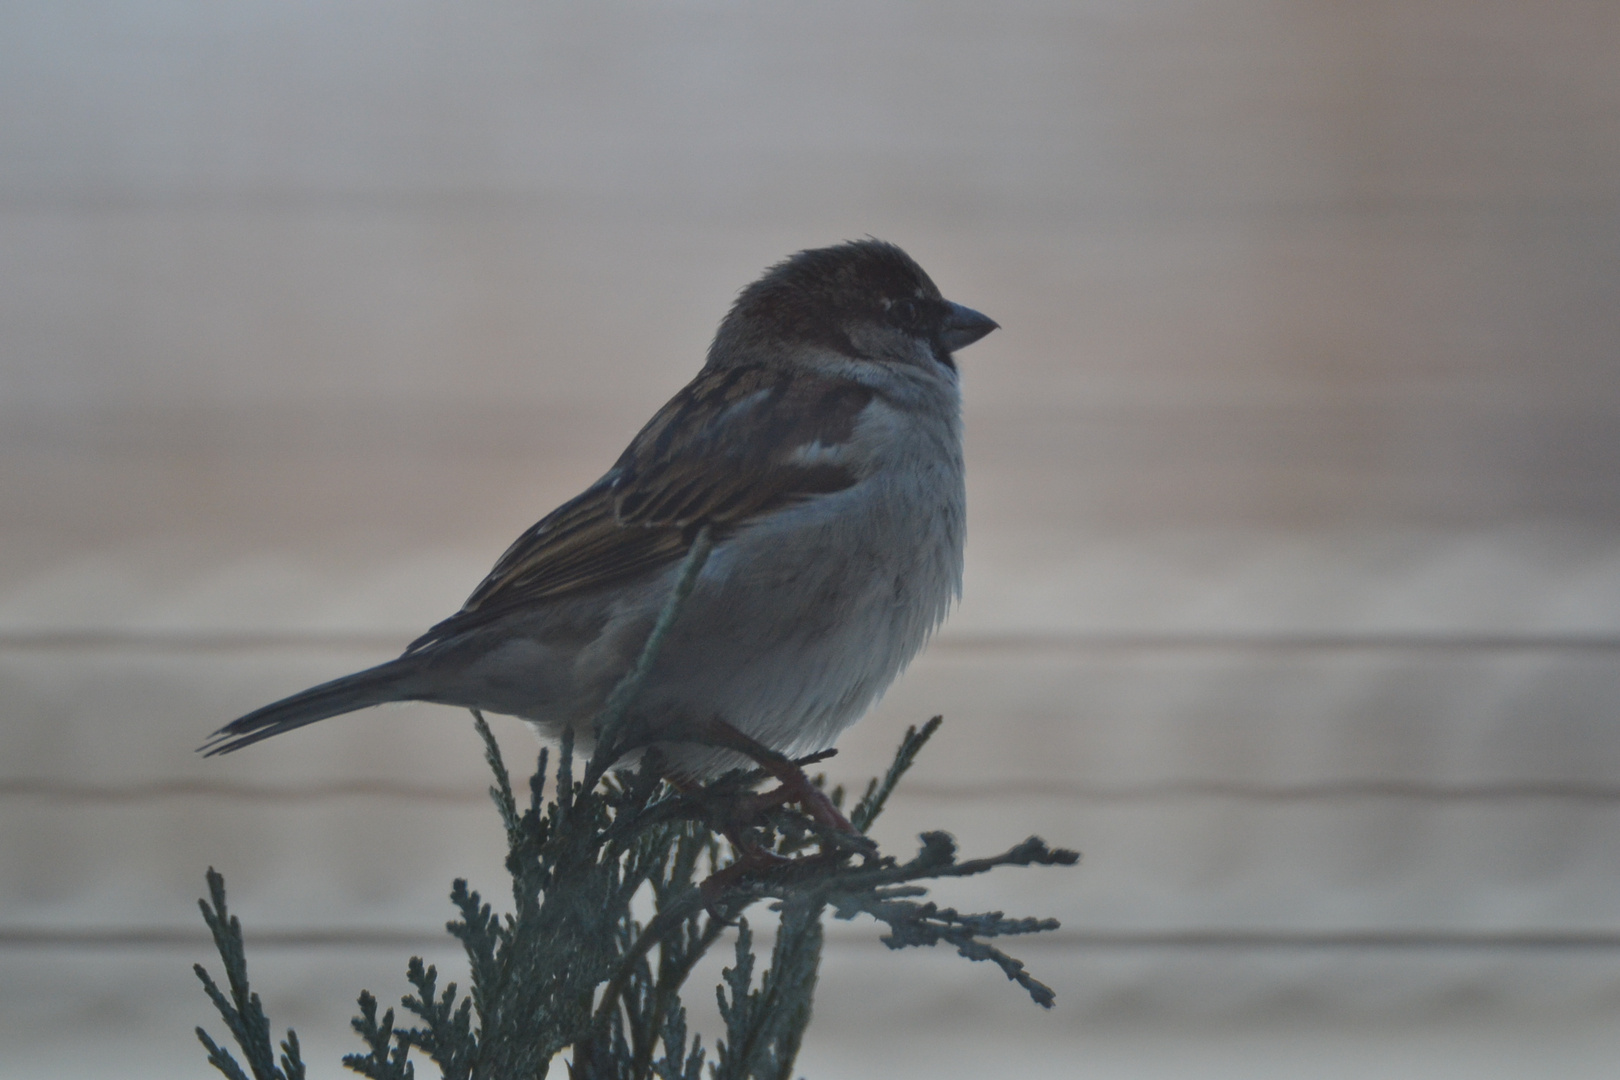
(793, 785)
(751, 857)
(733, 826)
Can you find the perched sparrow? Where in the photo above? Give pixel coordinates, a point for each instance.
(821, 445)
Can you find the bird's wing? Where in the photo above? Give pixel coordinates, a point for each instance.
(734, 445)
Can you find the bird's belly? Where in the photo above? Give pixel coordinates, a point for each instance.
(806, 621)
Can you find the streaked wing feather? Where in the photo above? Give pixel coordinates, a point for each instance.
(721, 453)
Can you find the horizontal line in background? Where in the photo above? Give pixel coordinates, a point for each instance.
(203, 641)
(1008, 790)
(1047, 206)
(1278, 642)
(199, 641)
(1249, 940)
(1352, 939)
(1329, 791)
(54, 791)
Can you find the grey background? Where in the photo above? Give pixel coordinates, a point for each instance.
(1293, 592)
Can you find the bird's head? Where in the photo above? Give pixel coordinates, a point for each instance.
(866, 300)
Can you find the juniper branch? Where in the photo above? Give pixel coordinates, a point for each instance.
(570, 966)
(877, 794)
(612, 717)
(447, 1037)
(386, 1061)
(242, 1011)
(501, 793)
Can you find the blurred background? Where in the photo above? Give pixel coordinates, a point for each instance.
(1293, 589)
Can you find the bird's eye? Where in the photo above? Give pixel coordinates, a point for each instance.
(906, 314)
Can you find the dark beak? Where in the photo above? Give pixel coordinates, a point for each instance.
(962, 326)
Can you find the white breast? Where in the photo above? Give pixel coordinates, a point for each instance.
(802, 620)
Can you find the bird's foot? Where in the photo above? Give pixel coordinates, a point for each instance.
(793, 786)
(746, 809)
(751, 859)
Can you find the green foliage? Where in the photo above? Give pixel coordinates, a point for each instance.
(242, 1012)
(570, 967)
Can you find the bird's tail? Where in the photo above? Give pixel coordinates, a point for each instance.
(373, 686)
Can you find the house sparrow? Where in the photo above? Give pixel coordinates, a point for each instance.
(821, 446)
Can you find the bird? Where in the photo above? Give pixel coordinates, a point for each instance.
(818, 450)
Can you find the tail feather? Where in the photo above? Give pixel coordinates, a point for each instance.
(373, 686)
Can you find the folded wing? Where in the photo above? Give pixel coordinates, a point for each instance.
(734, 445)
